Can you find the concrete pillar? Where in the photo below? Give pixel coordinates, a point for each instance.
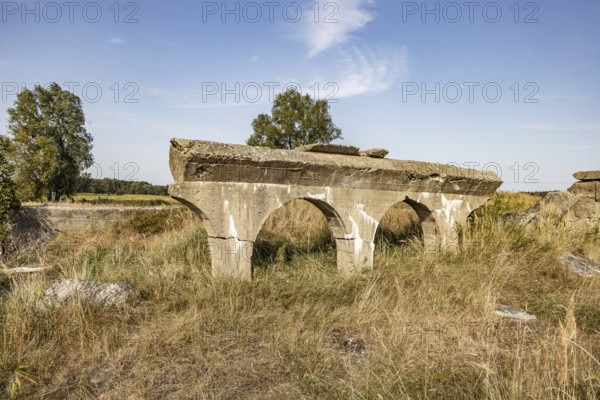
(454, 213)
(355, 247)
(431, 237)
(231, 257)
(354, 255)
(448, 227)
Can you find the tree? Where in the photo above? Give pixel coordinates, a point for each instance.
(51, 146)
(8, 192)
(296, 120)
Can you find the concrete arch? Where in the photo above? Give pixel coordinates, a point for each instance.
(259, 202)
(345, 242)
(387, 211)
(335, 222)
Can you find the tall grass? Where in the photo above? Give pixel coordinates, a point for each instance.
(419, 326)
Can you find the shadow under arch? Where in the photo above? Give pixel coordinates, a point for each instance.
(298, 226)
(398, 226)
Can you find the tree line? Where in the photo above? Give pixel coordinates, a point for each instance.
(87, 184)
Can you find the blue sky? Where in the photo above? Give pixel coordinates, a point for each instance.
(508, 86)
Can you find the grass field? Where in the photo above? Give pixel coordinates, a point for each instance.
(419, 326)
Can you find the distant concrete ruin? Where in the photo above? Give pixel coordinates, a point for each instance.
(587, 192)
(234, 188)
(40, 224)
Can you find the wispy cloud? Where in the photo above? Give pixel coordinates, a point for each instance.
(255, 59)
(2, 62)
(359, 70)
(334, 24)
(116, 41)
(370, 71)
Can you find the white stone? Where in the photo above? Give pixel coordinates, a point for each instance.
(99, 294)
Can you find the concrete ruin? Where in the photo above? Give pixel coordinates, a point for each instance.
(234, 188)
(39, 224)
(587, 195)
(579, 205)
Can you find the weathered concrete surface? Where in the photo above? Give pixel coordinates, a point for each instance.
(586, 209)
(578, 211)
(589, 189)
(330, 148)
(587, 176)
(234, 188)
(580, 204)
(553, 202)
(375, 153)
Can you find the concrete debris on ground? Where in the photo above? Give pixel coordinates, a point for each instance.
(582, 199)
(587, 191)
(561, 202)
(580, 265)
(98, 294)
(514, 313)
(23, 270)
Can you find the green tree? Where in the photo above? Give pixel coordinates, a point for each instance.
(296, 120)
(8, 191)
(51, 146)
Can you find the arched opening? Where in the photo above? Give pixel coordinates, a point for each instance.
(297, 231)
(399, 226)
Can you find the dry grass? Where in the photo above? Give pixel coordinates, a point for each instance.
(419, 326)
